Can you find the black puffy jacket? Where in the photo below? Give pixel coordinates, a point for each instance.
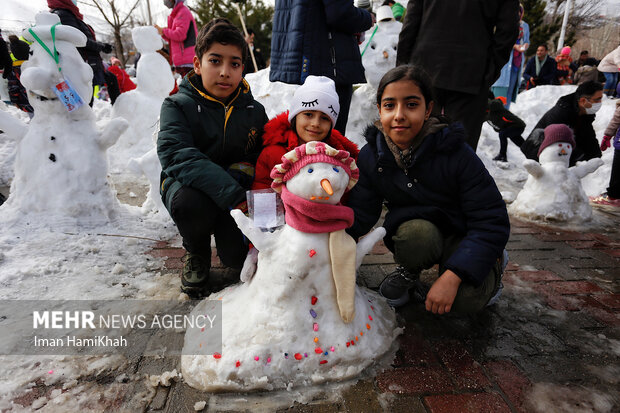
(447, 184)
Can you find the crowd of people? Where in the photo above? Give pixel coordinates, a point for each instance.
(215, 141)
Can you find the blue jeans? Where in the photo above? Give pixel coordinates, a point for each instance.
(611, 79)
(512, 85)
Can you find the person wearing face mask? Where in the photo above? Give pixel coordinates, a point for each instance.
(577, 111)
(181, 35)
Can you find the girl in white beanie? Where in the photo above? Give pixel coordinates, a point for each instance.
(311, 117)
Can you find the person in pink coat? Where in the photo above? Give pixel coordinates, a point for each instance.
(181, 35)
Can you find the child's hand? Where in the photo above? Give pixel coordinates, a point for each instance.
(440, 297)
(606, 143)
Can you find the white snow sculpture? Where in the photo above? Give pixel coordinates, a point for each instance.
(301, 320)
(149, 165)
(553, 191)
(141, 106)
(379, 57)
(60, 164)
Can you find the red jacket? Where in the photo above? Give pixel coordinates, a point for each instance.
(279, 138)
(124, 81)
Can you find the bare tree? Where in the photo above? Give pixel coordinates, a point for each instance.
(116, 18)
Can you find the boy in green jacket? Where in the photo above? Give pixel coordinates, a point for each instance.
(209, 139)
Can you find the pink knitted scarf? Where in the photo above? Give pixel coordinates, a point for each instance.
(314, 217)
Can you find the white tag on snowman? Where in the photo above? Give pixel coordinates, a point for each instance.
(68, 95)
(265, 208)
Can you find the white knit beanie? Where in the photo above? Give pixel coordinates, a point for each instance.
(317, 93)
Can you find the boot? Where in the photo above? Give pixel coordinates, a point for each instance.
(195, 275)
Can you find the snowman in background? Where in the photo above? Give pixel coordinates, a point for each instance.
(61, 163)
(378, 56)
(136, 148)
(301, 320)
(553, 191)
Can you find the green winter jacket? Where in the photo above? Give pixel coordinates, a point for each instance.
(200, 137)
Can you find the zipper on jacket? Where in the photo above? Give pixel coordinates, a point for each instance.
(332, 52)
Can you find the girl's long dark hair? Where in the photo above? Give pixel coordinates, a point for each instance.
(407, 72)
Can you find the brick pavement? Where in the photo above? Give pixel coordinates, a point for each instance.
(554, 332)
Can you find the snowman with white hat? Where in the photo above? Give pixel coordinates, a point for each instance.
(553, 191)
(61, 161)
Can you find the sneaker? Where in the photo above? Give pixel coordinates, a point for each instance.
(395, 287)
(605, 199)
(195, 275)
(501, 158)
(499, 267)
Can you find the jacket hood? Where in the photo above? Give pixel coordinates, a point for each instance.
(278, 131)
(191, 84)
(445, 140)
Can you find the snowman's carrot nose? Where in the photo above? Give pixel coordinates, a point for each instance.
(327, 187)
(563, 152)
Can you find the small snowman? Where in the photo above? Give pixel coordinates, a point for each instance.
(301, 320)
(553, 191)
(61, 161)
(378, 56)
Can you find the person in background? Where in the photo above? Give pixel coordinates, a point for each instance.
(463, 47)
(20, 51)
(509, 126)
(248, 65)
(181, 35)
(577, 111)
(540, 69)
(398, 10)
(319, 38)
(124, 81)
(510, 77)
(583, 56)
(609, 66)
(586, 72)
(6, 63)
(565, 69)
(612, 196)
(70, 15)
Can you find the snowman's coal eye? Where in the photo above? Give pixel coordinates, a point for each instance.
(30, 52)
(373, 46)
(310, 170)
(336, 169)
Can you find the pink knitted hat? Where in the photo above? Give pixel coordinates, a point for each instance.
(312, 152)
(565, 51)
(558, 132)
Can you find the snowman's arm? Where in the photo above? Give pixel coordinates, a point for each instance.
(533, 168)
(112, 131)
(14, 128)
(261, 240)
(365, 245)
(587, 167)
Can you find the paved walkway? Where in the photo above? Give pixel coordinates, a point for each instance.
(552, 343)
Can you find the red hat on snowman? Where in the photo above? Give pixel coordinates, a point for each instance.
(557, 132)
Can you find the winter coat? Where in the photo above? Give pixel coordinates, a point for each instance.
(181, 33)
(447, 184)
(462, 44)
(613, 127)
(317, 37)
(6, 63)
(501, 118)
(200, 137)
(585, 74)
(566, 111)
(19, 49)
(504, 76)
(124, 81)
(90, 52)
(279, 138)
(611, 62)
(547, 75)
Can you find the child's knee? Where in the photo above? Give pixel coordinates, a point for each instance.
(418, 244)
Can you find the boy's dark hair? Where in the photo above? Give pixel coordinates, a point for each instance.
(583, 52)
(588, 88)
(544, 45)
(388, 2)
(407, 72)
(220, 30)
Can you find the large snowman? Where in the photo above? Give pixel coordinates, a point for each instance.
(553, 191)
(378, 56)
(301, 319)
(61, 161)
